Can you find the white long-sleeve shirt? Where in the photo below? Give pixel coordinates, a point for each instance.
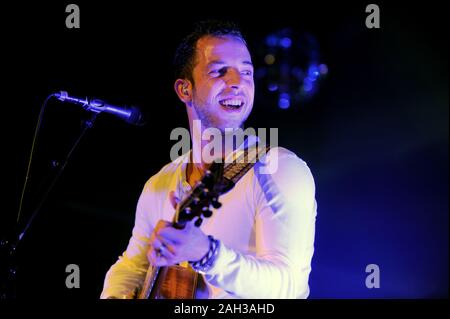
(266, 226)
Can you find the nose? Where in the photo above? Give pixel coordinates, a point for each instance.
(234, 79)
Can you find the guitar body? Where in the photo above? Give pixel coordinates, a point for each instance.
(177, 282)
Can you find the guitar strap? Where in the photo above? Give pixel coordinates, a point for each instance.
(235, 170)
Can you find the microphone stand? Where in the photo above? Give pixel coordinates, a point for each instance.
(9, 248)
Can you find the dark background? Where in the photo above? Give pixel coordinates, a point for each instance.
(375, 136)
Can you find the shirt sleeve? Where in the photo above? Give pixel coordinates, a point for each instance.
(285, 229)
(126, 276)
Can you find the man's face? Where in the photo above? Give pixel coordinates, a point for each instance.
(223, 82)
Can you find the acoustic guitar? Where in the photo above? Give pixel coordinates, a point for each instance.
(178, 282)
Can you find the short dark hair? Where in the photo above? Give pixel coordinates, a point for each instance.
(184, 61)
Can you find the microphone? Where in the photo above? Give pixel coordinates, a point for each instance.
(130, 114)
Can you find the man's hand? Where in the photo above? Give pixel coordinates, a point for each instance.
(170, 246)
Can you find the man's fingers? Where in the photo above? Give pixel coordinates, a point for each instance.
(157, 243)
(162, 224)
(170, 235)
(161, 256)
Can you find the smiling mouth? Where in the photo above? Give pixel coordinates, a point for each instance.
(231, 104)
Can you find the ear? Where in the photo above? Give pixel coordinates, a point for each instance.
(183, 88)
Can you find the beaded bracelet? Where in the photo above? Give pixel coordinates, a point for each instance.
(207, 262)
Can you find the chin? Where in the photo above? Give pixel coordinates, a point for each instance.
(228, 126)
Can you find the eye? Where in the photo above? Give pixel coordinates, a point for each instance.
(247, 72)
(218, 72)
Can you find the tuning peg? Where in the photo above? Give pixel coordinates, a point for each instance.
(198, 222)
(199, 184)
(187, 210)
(208, 177)
(206, 212)
(215, 203)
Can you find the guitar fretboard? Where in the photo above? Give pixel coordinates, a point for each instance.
(235, 170)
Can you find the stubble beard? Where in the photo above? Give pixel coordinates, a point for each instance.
(208, 120)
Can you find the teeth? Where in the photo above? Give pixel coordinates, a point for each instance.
(231, 102)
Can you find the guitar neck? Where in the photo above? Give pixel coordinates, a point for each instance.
(149, 282)
(153, 272)
(194, 207)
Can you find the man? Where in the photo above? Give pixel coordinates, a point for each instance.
(260, 242)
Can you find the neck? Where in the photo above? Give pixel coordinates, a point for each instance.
(202, 143)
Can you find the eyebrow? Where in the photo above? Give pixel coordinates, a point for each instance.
(220, 62)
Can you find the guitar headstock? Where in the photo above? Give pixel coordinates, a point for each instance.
(203, 197)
